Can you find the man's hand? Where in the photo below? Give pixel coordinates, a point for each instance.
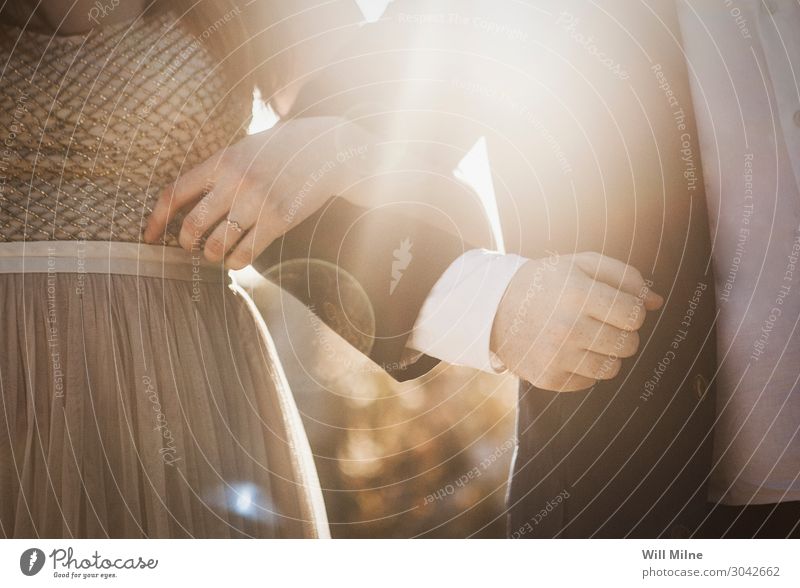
(566, 321)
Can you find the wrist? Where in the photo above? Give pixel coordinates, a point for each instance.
(500, 328)
(455, 323)
(513, 309)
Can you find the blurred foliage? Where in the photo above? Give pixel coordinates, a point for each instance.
(427, 458)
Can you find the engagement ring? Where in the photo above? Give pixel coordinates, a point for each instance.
(234, 225)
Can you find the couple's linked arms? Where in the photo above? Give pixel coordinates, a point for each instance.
(561, 323)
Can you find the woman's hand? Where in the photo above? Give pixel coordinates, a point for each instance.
(247, 195)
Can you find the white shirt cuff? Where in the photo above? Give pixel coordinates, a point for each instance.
(455, 323)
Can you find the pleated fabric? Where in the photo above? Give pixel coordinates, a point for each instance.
(145, 407)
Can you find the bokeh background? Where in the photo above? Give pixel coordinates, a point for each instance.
(427, 458)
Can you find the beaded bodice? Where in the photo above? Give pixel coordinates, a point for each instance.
(93, 126)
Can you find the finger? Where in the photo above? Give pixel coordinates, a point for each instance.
(188, 188)
(600, 337)
(225, 236)
(564, 382)
(615, 307)
(209, 211)
(257, 239)
(253, 215)
(575, 383)
(652, 301)
(593, 365)
(619, 275)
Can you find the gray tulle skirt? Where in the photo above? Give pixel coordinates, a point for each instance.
(143, 401)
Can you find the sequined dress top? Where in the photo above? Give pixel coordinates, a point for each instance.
(93, 126)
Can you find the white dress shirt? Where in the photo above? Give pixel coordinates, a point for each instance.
(744, 60)
(455, 322)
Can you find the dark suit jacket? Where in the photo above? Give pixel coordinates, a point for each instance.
(588, 118)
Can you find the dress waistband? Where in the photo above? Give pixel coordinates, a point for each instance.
(108, 257)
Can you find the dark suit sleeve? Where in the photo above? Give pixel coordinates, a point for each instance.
(360, 269)
(371, 269)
